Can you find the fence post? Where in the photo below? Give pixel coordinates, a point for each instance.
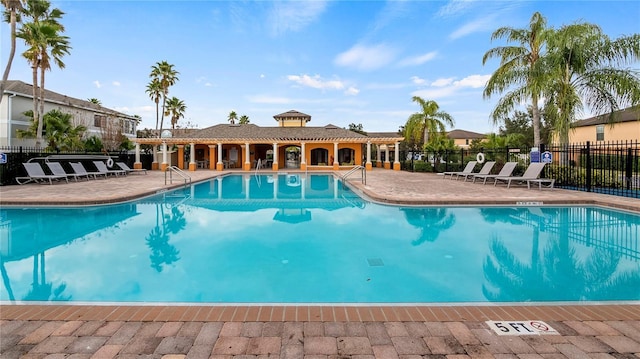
(628, 172)
(588, 167)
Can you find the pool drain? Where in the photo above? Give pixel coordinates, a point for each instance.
(375, 262)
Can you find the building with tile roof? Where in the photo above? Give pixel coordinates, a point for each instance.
(291, 145)
(463, 138)
(624, 126)
(18, 98)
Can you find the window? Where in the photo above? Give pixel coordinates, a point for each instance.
(600, 133)
(99, 120)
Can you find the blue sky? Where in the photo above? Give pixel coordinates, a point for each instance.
(341, 62)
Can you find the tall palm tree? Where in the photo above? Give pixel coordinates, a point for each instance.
(45, 45)
(244, 119)
(175, 109)
(588, 69)
(154, 90)
(519, 71)
(233, 116)
(95, 101)
(428, 122)
(167, 76)
(12, 8)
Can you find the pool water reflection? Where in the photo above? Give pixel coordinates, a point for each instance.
(297, 238)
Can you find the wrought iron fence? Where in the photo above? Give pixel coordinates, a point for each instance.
(602, 167)
(13, 158)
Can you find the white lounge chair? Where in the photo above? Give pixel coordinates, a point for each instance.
(531, 173)
(57, 169)
(467, 170)
(128, 169)
(80, 170)
(102, 168)
(485, 170)
(506, 171)
(35, 173)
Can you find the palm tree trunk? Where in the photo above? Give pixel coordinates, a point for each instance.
(41, 96)
(36, 115)
(7, 69)
(535, 112)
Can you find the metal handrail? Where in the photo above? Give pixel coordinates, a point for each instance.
(355, 169)
(181, 173)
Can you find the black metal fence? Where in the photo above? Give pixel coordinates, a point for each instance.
(602, 167)
(13, 157)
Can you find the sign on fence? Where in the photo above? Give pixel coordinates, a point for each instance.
(547, 157)
(3, 158)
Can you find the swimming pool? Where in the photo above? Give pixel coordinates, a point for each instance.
(296, 238)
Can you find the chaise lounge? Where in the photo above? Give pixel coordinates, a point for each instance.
(506, 171)
(468, 169)
(530, 174)
(35, 173)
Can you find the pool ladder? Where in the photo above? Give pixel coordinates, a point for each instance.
(355, 169)
(174, 169)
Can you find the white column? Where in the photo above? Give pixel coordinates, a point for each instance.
(386, 154)
(397, 153)
(379, 153)
(335, 153)
(219, 153)
(275, 153)
(164, 153)
(303, 157)
(368, 153)
(137, 152)
(247, 160)
(192, 154)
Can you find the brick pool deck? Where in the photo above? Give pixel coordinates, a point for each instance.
(309, 331)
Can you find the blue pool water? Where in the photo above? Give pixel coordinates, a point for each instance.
(308, 239)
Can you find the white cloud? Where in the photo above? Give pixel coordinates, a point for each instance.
(446, 87)
(116, 83)
(352, 91)
(442, 82)
(97, 83)
(418, 81)
(262, 76)
(485, 23)
(473, 81)
(293, 15)
(455, 7)
(316, 82)
(418, 60)
(366, 57)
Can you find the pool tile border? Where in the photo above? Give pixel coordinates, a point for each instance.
(320, 313)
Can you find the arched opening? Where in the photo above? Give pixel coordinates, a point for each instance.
(346, 156)
(292, 155)
(319, 157)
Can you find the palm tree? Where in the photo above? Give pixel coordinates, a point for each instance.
(167, 76)
(154, 90)
(12, 8)
(244, 119)
(44, 45)
(427, 122)
(519, 67)
(175, 109)
(233, 116)
(586, 69)
(95, 101)
(58, 130)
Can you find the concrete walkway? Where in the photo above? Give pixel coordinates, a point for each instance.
(313, 332)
